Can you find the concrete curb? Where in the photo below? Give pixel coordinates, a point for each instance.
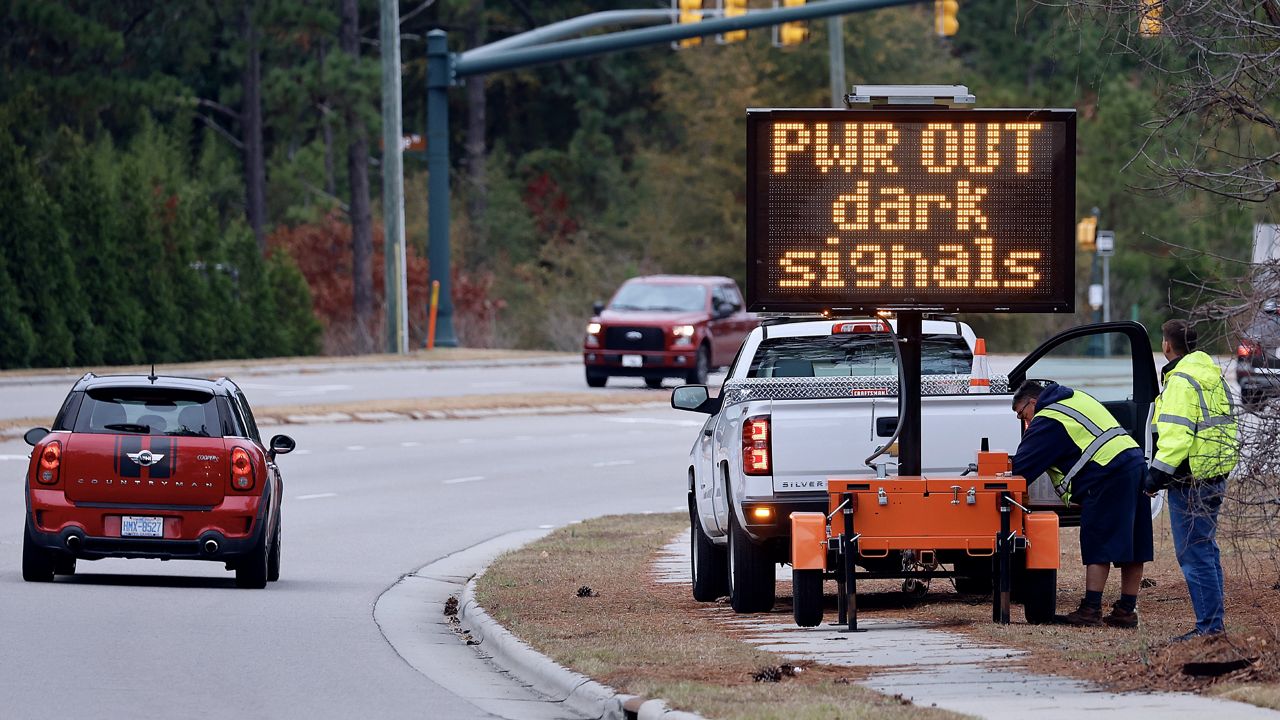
(577, 691)
(248, 368)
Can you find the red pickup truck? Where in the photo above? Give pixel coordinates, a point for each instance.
(662, 326)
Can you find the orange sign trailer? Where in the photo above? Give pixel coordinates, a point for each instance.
(979, 516)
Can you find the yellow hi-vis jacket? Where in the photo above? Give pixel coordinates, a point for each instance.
(1195, 420)
(1093, 429)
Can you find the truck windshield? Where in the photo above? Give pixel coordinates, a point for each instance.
(855, 354)
(149, 411)
(661, 297)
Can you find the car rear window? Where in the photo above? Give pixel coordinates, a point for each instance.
(855, 354)
(149, 411)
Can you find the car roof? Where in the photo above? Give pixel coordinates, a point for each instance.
(171, 382)
(681, 279)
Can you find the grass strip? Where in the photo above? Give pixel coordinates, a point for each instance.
(584, 596)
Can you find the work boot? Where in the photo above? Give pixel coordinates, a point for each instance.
(1121, 618)
(1084, 616)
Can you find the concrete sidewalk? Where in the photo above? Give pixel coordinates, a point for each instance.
(933, 667)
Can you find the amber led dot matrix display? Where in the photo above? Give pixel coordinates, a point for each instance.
(931, 209)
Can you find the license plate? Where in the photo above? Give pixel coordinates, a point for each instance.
(632, 361)
(135, 526)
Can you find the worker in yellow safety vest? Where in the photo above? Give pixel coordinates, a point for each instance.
(1093, 462)
(1197, 447)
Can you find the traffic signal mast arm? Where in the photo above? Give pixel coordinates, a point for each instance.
(483, 60)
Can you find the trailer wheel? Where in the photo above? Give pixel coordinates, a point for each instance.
(1039, 595)
(751, 572)
(806, 597)
(707, 562)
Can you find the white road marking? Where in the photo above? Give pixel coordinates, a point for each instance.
(411, 443)
(317, 496)
(13, 457)
(679, 507)
(467, 441)
(469, 478)
(652, 421)
(355, 448)
(545, 527)
(295, 390)
(502, 383)
(613, 463)
(301, 452)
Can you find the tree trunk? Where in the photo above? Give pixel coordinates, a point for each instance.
(477, 197)
(255, 170)
(358, 174)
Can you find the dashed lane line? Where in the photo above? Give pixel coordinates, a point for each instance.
(469, 478)
(612, 463)
(317, 496)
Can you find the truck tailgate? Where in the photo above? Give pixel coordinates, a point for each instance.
(817, 439)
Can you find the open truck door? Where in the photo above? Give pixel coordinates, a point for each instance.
(1114, 363)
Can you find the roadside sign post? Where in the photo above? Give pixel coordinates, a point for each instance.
(1106, 248)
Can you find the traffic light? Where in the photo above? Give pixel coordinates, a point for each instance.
(734, 8)
(688, 11)
(945, 22)
(792, 33)
(1151, 24)
(1087, 233)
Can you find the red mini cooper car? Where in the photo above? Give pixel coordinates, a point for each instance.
(154, 467)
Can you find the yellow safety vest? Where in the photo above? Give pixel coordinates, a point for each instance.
(1195, 420)
(1092, 428)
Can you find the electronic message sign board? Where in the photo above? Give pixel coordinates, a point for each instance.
(911, 209)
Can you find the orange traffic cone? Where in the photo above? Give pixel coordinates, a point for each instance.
(980, 376)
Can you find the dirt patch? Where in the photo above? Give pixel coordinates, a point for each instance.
(652, 639)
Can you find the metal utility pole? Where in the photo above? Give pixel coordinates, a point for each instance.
(397, 291)
(835, 45)
(540, 46)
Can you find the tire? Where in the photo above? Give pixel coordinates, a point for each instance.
(596, 379)
(1039, 595)
(806, 597)
(273, 557)
(701, 368)
(37, 563)
(64, 565)
(251, 570)
(653, 382)
(751, 572)
(708, 563)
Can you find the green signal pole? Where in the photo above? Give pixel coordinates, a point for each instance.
(444, 69)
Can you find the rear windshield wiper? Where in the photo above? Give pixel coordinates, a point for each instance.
(128, 427)
(187, 432)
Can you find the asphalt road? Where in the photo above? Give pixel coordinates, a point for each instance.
(364, 504)
(266, 388)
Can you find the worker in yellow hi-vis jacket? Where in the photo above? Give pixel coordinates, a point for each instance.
(1196, 449)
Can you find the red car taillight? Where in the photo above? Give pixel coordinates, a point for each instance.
(50, 461)
(756, 446)
(241, 470)
(1246, 349)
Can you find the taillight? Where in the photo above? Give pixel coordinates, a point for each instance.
(1245, 349)
(756, 446)
(50, 461)
(241, 470)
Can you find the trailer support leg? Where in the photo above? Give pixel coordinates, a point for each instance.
(849, 549)
(1004, 555)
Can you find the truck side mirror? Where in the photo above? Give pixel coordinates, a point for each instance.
(724, 310)
(694, 398)
(597, 307)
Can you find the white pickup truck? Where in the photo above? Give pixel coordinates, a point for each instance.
(808, 400)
